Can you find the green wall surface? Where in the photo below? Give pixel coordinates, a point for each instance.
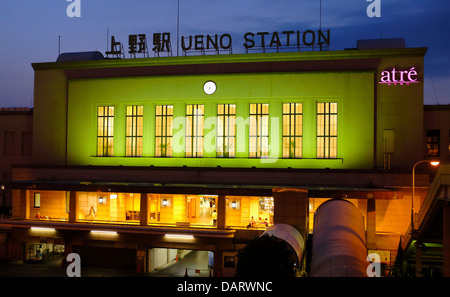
(353, 91)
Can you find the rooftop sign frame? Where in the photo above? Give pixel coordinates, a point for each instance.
(201, 44)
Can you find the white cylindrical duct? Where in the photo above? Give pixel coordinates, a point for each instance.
(290, 235)
(339, 244)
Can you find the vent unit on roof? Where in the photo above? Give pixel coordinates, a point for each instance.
(388, 43)
(80, 56)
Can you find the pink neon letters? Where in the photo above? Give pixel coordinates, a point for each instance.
(401, 77)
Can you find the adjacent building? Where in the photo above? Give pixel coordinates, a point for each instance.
(16, 134)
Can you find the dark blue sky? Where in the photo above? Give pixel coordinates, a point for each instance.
(30, 30)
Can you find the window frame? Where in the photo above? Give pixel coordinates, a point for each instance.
(105, 143)
(292, 130)
(163, 130)
(433, 143)
(134, 130)
(226, 131)
(326, 140)
(258, 145)
(194, 134)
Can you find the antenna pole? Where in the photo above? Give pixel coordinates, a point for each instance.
(178, 24)
(320, 12)
(59, 45)
(107, 39)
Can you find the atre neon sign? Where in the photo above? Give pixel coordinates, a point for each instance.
(399, 77)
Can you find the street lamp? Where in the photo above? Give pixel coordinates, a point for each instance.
(434, 163)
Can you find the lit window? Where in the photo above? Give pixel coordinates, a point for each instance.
(259, 130)
(249, 212)
(194, 130)
(326, 130)
(226, 130)
(134, 129)
(292, 130)
(37, 200)
(105, 131)
(433, 143)
(164, 121)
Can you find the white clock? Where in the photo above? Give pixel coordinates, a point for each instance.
(209, 87)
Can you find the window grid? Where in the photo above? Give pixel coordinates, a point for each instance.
(194, 130)
(292, 130)
(163, 133)
(226, 130)
(433, 143)
(326, 130)
(105, 131)
(134, 128)
(259, 130)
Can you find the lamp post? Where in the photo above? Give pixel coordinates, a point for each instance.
(434, 163)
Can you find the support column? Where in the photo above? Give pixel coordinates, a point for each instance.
(446, 237)
(218, 262)
(291, 207)
(221, 211)
(141, 253)
(371, 224)
(419, 252)
(144, 209)
(73, 205)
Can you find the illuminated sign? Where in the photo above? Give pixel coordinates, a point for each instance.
(215, 42)
(297, 39)
(262, 41)
(399, 77)
(137, 44)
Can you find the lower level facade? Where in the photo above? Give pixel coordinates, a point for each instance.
(122, 225)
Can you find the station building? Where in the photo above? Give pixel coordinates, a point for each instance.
(137, 158)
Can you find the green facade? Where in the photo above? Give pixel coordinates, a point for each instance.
(66, 106)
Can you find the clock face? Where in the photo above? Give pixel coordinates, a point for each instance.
(209, 87)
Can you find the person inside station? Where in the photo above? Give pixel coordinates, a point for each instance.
(92, 213)
(214, 217)
(39, 216)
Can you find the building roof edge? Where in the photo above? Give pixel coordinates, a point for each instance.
(232, 58)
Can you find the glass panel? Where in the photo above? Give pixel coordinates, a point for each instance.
(333, 107)
(292, 127)
(333, 147)
(194, 129)
(105, 130)
(134, 119)
(249, 212)
(47, 205)
(258, 129)
(327, 130)
(225, 130)
(320, 107)
(163, 133)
